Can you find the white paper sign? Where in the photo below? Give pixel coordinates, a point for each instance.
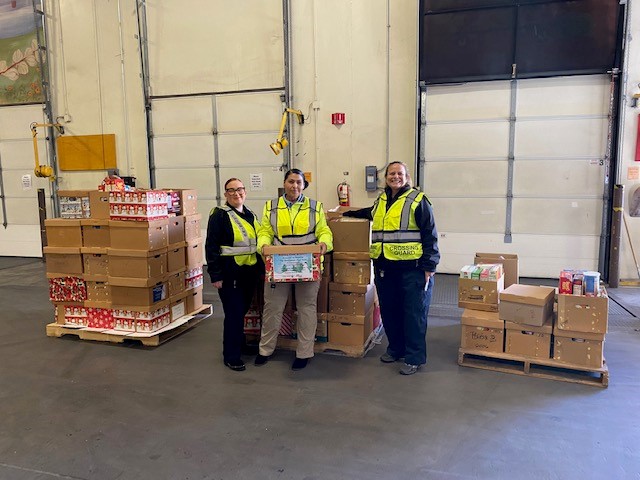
(26, 182)
(256, 182)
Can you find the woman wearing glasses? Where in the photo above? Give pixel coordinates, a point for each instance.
(292, 219)
(233, 265)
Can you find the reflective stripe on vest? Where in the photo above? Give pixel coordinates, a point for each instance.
(402, 235)
(302, 239)
(247, 245)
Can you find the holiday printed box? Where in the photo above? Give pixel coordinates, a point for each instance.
(141, 319)
(67, 289)
(252, 321)
(100, 318)
(71, 314)
(193, 278)
(292, 263)
(143, 205)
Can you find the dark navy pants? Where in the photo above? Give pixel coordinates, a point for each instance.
(404, 306)
(236, 296)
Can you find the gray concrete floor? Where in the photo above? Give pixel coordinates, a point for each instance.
(80, 410)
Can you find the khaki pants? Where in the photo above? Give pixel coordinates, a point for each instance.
(275, 299)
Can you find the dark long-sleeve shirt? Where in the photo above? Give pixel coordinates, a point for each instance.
(428, 234)
(219, 233)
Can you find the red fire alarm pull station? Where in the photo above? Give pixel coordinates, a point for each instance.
(337, 118)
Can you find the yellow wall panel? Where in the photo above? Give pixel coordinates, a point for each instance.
(87, 152)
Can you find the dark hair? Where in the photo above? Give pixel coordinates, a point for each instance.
(406, 171)
(231, 180)
(297, 171)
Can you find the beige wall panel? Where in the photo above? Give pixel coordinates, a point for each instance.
(83, 180)
(557, 178)
(466, 178)
(182, 115)
(214, 45)
(247, 149)
(580, 95)
(472, 101)
(19, 153)
(468, 140)
(15, 121)
(21, 241)
(23, 211)
(561, 138)
(201, 179)
(556, 216)
(183, 151)
(469, 215)
(250, 111)
(13, 188)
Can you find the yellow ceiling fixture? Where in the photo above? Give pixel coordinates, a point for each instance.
(282, 142)
(43, 171)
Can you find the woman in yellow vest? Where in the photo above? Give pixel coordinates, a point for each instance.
(292, 219)
(234, 266)
(404, 249)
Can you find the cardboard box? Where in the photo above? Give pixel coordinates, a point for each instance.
(323, 296)
(350, 234)
(99, 204)
(528, 341)
(482, 331)
(327, 266)
(178, 306)
(189, 202)
(66, 288)
(95, 233)
(527, 304)
(176, 283)
(292, 263)
(193, 278)
(63, 232)
(192, 229)
(583, 314)
(138, 205)
(350, 299)
(69, 313)
(194, 299)
(351, 330)
(137, 263)
(141, 318)
(176, 257)
(322, 328)
(95, 263)
(509, 262)
(352, 267)
(194, 253)
(479, 294)
(138, 291)
(63, 260)
(176, 230)
(74, 203)
(98, 292)
(578, 348)
(139, 235)
(100, 318)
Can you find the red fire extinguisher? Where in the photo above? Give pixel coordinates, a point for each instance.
(344, 194)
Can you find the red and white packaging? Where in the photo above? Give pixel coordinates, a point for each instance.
(138, 205)
(67, 289)
(74, 315)
(193, 278)
(100, 318)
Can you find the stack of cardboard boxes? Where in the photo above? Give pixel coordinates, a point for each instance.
(129, 267)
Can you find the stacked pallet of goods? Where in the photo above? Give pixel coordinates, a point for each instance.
(133, 267)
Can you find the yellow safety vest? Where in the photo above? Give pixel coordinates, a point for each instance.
(395, 232)
(299, 230)
(244, 246)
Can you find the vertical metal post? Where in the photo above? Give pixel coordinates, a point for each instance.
(288, 77)
(42, 214)
(616, 226)
(422, 138)
(216, 154)
(511, 157)
(143, 42)
(2, 196)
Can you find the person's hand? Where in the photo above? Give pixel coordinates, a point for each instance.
(428, 275)
(323, 248)
(218, 284)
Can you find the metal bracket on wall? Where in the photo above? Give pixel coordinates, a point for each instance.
(510, 160)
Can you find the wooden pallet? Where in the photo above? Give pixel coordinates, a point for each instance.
(534, 367)
(58, 330)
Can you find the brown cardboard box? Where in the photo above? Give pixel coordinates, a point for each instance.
(189, 200)
(63, 232)
(323, 296)
(482, 331)
(63, 260)
(350, 234)
(583, 314)
(176, 257)
(178, 306)
(71, 313)
(176, 283)
(176, 230)
(192, 229)
(194, 253)
(509, 263)
(528, 341)
(322, 330)
(99, 204)
(98, 293)
(141, 318)
(350, 299)
(337, 212)
(351, 330)
(327, 266)
(96, 263)
(129, 235)
(527, 304)
(95, 233)
(578, 348)
(74, 203)
(138, 291)
(479, 294)
(137, 263)
(292, 263)
(352, 267)
(194, 299)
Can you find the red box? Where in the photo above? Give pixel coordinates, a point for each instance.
(71, 314)
(138, 205)
(100, 318)
(67, 289)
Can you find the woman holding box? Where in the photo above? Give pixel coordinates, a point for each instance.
(404, 249)
(234, 266)
(292, 219)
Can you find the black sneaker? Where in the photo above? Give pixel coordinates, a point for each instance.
(261, 360)
(299, 363)
(236, 365)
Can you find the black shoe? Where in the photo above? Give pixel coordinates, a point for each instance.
(299, 363)
(236, 365)
(261, 360)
